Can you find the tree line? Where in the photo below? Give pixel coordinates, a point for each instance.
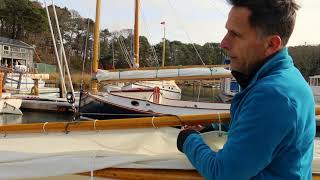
(27, 21)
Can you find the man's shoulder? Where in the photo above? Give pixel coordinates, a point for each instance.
(288, 83)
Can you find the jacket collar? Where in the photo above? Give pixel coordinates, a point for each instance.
(280, 60)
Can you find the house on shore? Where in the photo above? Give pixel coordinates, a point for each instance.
(14, 52)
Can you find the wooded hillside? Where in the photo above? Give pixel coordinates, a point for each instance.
(27, 21)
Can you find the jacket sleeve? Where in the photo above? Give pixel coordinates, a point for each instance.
(263, 121)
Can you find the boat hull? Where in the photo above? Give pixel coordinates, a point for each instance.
(91, 107)
(110, 106)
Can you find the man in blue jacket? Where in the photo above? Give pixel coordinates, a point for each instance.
(273, 117)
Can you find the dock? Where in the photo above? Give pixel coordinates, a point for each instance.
(36, 103)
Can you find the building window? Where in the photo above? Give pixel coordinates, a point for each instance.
(6, 50)
(14, 49)
(22, 50)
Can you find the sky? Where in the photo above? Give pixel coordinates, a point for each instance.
(189, 21)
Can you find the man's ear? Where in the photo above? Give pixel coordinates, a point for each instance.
(274, 44)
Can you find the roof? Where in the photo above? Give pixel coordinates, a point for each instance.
(13, 42)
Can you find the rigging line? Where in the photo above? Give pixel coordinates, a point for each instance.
(155, 57)
(217, 9)
(127, 59)
(198, 54)
(85, 50)
(125, 52)
(124, 46)
(129, 55)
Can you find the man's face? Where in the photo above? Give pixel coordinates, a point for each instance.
(243, 45)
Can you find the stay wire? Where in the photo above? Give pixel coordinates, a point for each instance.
(197, 52)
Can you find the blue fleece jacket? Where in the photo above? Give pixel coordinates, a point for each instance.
(272, 129)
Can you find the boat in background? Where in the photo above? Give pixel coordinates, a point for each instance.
(7, 119)
(141, 103)
(10, 105)
(314, 82)
(229, 86)
(23, 83)
(169, 89)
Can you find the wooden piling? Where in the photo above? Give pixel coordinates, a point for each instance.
(1, 80)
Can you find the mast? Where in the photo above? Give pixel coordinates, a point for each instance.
(164, 43)
(94, 83)
(136, 33)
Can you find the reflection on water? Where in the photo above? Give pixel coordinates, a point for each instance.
(189, 93)
(200, 93)
(6, 119)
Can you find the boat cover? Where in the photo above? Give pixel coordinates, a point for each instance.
(54, 154)
(104, 75)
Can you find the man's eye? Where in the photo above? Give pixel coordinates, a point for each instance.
(234, 33)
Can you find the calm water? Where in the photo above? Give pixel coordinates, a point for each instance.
(35, 117)
(189, 93)
(200, 93)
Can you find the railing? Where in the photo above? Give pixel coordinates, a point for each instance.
(16, 55)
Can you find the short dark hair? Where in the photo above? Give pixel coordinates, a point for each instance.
(271, 16)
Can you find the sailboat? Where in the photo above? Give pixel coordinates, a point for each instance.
(144, 98)
(8, 104)
(314, 82)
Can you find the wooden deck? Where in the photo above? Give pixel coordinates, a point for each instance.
(154, 174)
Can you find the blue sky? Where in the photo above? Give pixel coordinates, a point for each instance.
(197, 21)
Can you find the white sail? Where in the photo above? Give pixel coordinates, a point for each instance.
(55, 154)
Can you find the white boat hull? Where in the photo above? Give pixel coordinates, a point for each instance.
(9, 105)
(122, 104)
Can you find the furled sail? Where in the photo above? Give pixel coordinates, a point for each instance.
(182, 73)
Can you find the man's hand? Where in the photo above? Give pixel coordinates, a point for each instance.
(184, 133)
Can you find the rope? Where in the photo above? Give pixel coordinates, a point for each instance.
(220, 129)
(44, 128)
(180, 120)
(153, 123)
(217, 9)
(124, 51)
(94, 125)
(148, 32)
(92, 167)
(197, 52)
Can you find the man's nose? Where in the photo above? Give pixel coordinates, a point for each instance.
(224, 43)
